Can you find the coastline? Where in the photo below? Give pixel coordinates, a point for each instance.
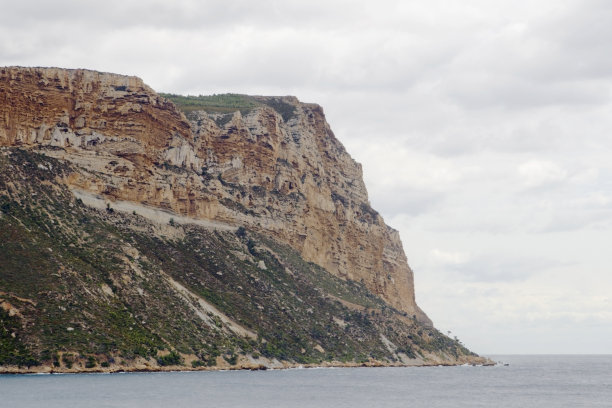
(150, 366)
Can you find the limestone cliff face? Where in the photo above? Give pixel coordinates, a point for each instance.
(284, 174)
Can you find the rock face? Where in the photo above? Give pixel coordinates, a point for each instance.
(275, 167)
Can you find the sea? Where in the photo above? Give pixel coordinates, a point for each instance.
(518, 381)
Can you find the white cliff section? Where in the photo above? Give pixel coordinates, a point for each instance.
(154, 214)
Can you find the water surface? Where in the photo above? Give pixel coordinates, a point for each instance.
(528, 381)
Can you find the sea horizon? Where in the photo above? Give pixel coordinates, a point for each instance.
(526, 380)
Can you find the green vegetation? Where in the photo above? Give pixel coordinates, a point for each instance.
(12, 351)
(232, 359)
(222, 103)
(68, 360)
(89, 286)
(222, 120)
(286, 110)
(91, 362)
(170, 359)
(237, 206)
(227, 104)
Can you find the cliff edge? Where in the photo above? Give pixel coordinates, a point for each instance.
(268, 171)
(284, 172)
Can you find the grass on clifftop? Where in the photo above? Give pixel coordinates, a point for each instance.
(222, 103)
(229, 103)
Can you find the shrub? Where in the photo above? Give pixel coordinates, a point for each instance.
(241, 232)
(68, 360)
(232, 359)
(91, 362)
(173, 358)
(197, 363)
(251, 247)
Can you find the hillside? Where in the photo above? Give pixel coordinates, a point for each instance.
(133, 237)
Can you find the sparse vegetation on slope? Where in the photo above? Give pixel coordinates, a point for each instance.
(83, 289)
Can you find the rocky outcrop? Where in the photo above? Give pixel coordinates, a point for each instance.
(276, 167)
(79, 108)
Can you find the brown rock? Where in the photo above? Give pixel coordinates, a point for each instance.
(292, 179)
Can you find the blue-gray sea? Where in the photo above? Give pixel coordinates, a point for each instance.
(527, 381)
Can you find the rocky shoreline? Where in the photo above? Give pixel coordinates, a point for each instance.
(144, 366)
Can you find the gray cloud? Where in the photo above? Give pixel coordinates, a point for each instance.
(179, 14)
(495, 268)
(577, 40)
(485, 91)
(406, 201)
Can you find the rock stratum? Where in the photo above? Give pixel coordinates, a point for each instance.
(142, 231)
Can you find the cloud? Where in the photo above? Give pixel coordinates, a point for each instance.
(576, 37)
(488, 267)
(518, 317)
(479, 90)
(554, 57)
(589, 213)
(178, 14)
(407, 201)
(492, 268)
(541, 174)
(449, 258)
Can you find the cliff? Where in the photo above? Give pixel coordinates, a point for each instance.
(269, 165)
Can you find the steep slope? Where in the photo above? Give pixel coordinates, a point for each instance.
(151, 232)
(272, 164)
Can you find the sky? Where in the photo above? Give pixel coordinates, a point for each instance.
(483, 128)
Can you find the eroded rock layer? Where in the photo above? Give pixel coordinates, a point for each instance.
(274, 166)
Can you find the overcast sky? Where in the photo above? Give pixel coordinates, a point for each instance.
(483, 128)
